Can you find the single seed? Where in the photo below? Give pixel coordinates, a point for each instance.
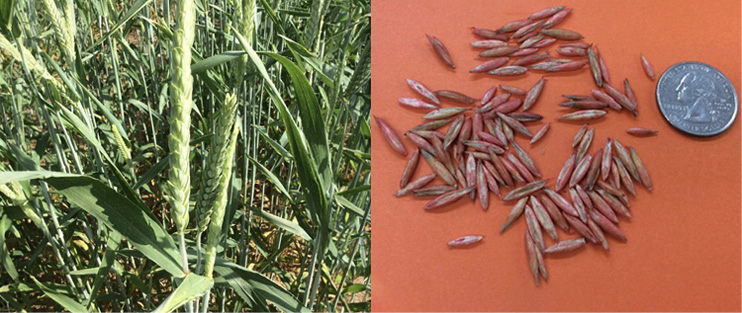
(554, 212)
(482, 190)
(598, 233)
(571, 66)
(562, 203)
(648, 69)
(543, 66)
(517, 126)
(447, 198)
(527, 161)
(509, 106)
(415, 184)
(578, 135)
(557, 18)
(409, 169)
(608, 227)
(471, 174)
(579, 206)
(624, 175)
(578, 98)
(580, 228)
(488, 44)
(540, 133)
(439, 168)
(455, 96)
(533, 58)
(543, 218)
(464, 241)
(521, 168)
(432, 125)
(594, 170)
(476, 125)
(490, 65)
(495, 102)
(622, 99)
(465, 132)
(585, 143)
(510, 70)
(532, 258)
(513, 171)
(534, 229)
(544, 42)
(500, 131)
(582, 115)
(605, 164)
(640, 131)
(526, 116)
(498, 52)
(572, 51)
(391, 136)
(527, 29)
(625, 157)
(512, 90)
(612, 190)
(423, 91)
(595, 67)
(484, 146)
(614, 203)
(642, 171)
(566, 246)
(432, 190)
(421, 142)
(562, 34)
(460, 178)
(603, 66)
(525, 37)
(453, 131)
(513, 26)
(584, 197)
(565, 173)
(533, 94)
(531, 41)
(441, 50)
(524, 52)
(478, 155)
(443, 113)
(580, 170)
(490, 138)
(581, 45)
(602, 206)
(630, 93)
(491, 181)
(515, 212)
(545, 13)
(603, 97)
(584, 105)
(488, 95)
(490, 34)
(502, 170)
(416, 103)
(526, 190)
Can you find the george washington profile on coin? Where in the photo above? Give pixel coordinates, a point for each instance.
(697, 93)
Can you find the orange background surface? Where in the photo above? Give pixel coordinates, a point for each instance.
(683, 249)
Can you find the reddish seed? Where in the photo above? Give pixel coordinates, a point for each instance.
(531, 41)
(533, 94)
(545, 13)
(441, 50)
(562, 34)
(527, 161)
(557, 18)
(495, 102)
(580, 170)
(578, 204)
(488, 33)
(554, 212)
(444, 113)
(603, 97)
(562, 203)
(582, 115)
(598, 233)
(423, 91)
(524, 52)
(409, 169)
(447, 198)
(540, 133)
(531, 250)
(580, 227)
(584, 105)
(391, 136)
(464, 241)
(515, 212)
(534, 229)
(416, 184)
(432, 125)
(490, 178)
(432, 190)
(571, 66)
(517, 126)
(498, 52)
(509, 71)
(489, 94)
(605, 163)
(527, 29)
(602, 206)
(533, 58)
(608, 227)
(566, 246)
(513, 26)
(648, 69)
(521, 168)
(420, 142)
(455, 96)
(512, 90)
(584, 197)
(416, 103)
(640, 131)
(572, 51)
(630, 93)
(544, 42)
(488, 44)
(565, 173)
(526, 116)
(502, 170)
(490, 65)
(595, 67)
(490, 138)
(594, 171)
(581, 45)
(603, 66)
(622, 99)
(509, 106)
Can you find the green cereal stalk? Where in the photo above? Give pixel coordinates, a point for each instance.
(62, 30)
(181, 102)
(314, 26)
(362, 72)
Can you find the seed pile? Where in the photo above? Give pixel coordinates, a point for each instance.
(477, 154)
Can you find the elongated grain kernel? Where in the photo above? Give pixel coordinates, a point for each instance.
(581, 45)
(512, 90)
(554, 212)
(465, 132)
(416, 103)
(566, 246)
(582, 115)
(579, 206)
(641, 170)
(447, 198)
(614, 203)
(510, 70)
(531, 41)
(622, 99)
(488, 44)
(598, 233)
(432, 125)
(544, 66)
(490, 65)
(595, 67)
(562, 203)
(557, 18)
(524, 52)
(578, 98)
(489, 165)
(545, 13)
(423, 91)
(580, 170)
(648, 69)
(624, 175)
(602, 206)
(439, 168)
(527, 29)
(515, 212)
(415, 184)
(502, 170)
(509, 106)
(584, 197)
(464, 241)
(571, 66)
(565, 173)
(578, 135)
(490, 178)
(534, 229)
(603, 97)
(585, 105)
(421, 142)
(572, 51)
(498, 52)
(494, 103)
(517, 126)
(625, 157)
(641, 131)
(611, 189)
(603, 67)
(607, 226)
(526, 116)
(433, 190)
(453, 131)
(526, 190)
(580, 228)
(533, 58)
(513, 26)
(441, 50)
(594, 171)
(471, 174)
(540, 133)
(488, 95)
(460, 177)
(562, 34)
(409, 169)
(443, 113)
(541, 264)
(521, 168)
(490, 138)
(527, 161)
(488, 33)
(455, 96)
(543, 218)
(630, 93)
(484, 146)
(532, 259)
(605, 163)
(391, 136)
(585, 143)
(533, 94)
(544, 42)
(482, 190)
(513, 171)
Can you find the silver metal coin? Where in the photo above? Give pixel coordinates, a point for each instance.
(697, 99)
